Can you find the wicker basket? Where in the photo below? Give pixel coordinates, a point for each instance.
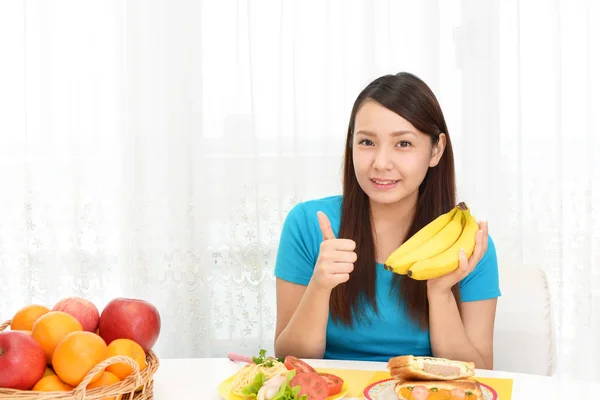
(126, 388)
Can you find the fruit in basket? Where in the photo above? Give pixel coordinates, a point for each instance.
(77, 354)
(106, 379)
(133, 319)
(51, 328)
(24, 319)
(83, 310)
(22, 361)
(51, 383)
(126, 347)
(49, 371)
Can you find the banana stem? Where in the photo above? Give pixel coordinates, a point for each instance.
(462, 205)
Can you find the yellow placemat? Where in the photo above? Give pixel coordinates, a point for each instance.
(501, 385)
(358, 379)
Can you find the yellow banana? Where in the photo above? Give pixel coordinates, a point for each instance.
(447, 261)
(430, 246)
(423, 235)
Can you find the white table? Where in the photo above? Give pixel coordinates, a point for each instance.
(197, 379)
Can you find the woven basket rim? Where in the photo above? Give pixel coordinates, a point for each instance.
(128, 386)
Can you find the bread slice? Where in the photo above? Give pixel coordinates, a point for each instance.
(407, 368)
(469, 389)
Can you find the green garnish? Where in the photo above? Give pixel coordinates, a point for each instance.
(262, 359)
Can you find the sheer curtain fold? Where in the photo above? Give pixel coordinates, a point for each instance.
(153, 149)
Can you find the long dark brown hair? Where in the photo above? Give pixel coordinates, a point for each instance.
(409, 97)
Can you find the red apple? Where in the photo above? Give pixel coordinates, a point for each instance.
(132, 319)
(22, 361)
(83, 310)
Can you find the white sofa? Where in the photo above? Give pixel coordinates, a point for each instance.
(524, 338)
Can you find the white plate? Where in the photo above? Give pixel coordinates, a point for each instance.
(384, 390)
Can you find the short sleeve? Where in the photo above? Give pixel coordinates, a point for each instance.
(483, 282)
(296, 255)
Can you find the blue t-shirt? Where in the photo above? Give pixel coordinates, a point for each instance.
(389, 333)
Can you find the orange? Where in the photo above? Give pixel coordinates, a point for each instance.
(51, 383)
(77, 354)
(48, 371)
(24, 319)
(126, 347)
(106, 379)
(51, 328)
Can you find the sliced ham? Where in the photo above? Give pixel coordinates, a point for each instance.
(443, 370)
(458, 394)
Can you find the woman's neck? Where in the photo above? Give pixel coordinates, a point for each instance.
(391, 223)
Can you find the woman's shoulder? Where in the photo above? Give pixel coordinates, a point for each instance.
(301, 237)
(307, 209)
(330, 205)
(302, 217)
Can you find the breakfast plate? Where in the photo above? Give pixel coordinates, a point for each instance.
(384, 390)
(225, 392)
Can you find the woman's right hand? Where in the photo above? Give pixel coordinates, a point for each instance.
(336, 257)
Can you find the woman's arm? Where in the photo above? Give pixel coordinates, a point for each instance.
(467, 335)
(469, 339)
(302, 313)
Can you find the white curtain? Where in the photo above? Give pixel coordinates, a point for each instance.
(152, 149)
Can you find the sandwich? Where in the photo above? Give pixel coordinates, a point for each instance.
(464, 389)
(413, 368)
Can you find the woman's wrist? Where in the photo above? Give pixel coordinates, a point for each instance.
(436, 292)
(315, 288)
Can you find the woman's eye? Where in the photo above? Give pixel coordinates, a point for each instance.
(366, 142)
(404, 143)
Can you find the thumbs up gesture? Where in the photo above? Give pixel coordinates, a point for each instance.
(336, 257)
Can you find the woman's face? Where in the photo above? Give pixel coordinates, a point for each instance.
(391, 157)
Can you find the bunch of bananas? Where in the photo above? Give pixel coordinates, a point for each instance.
(433, 250)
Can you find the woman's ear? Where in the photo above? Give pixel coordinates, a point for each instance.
(437, 150)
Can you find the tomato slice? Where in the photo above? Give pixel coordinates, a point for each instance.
(300, 366)
(311, 384)
(334, 382)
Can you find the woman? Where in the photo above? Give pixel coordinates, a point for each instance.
(334, 297)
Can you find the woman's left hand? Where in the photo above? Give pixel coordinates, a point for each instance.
(444, 284)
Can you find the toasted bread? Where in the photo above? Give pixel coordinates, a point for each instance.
(469, 389)
(407, 368)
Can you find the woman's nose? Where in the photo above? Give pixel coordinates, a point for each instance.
(383, 160)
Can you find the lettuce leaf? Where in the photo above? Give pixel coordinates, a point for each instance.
(286, 392)
(252, 389)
